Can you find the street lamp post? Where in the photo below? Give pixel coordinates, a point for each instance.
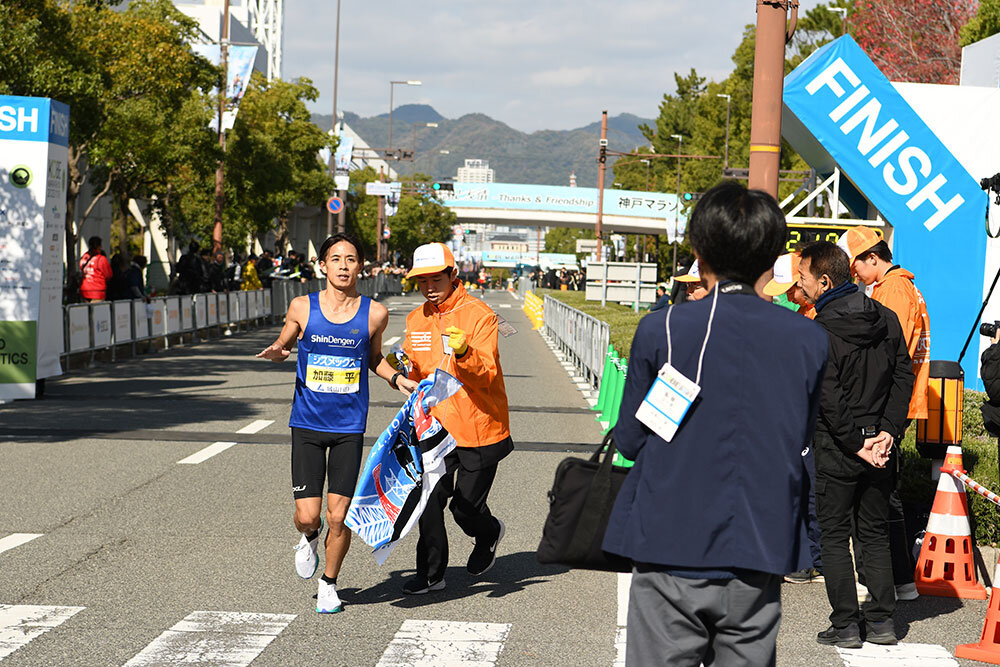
(729, 100)
(413, 159)
(333, 130)
(843, 14)
(677, 204)
(646, 162)
(391, 85)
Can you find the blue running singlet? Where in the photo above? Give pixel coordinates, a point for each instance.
(331, 378)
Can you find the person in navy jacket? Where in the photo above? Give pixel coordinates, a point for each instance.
(714, 518)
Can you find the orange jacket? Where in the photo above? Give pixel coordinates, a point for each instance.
(897, 292)
(477, 414)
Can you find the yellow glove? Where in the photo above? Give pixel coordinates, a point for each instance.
(457, 340)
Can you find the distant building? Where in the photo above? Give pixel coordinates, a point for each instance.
(475, 171)
(572, 179)
(250, 22)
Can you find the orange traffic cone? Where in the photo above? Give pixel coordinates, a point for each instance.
(988, 648)
(945, 567)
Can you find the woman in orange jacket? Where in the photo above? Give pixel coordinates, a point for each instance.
(457, 333)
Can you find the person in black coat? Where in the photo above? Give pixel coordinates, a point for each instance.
(866, 396)
(714, 518)
(989, 371)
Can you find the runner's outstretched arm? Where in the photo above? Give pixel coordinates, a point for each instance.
(295, 322)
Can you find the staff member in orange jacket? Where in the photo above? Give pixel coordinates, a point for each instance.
(458, 333)
(892, 286)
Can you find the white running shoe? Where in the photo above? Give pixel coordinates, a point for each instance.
(327, 600)
(907, 592)
(306, 558)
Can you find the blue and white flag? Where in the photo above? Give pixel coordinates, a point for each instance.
(402, 469)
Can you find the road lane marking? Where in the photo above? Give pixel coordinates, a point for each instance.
(214, 637)
(21, 623)
(504, 305)
(16, 540)
(207, 453)
(429, 643)
(903, 655)
(624, 587)
(255, 426)
(391, 341)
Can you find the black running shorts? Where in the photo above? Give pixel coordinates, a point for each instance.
(335, 456)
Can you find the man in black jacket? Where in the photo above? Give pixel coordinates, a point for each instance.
(865, 398)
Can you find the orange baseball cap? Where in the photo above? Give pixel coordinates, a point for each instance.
(692, 276)
(431, 258)
(857, 240)
(786, 274)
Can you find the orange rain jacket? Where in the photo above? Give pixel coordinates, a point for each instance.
(477, 415)
(897, 292)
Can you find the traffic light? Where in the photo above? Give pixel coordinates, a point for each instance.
(441, 186)
(692, 196)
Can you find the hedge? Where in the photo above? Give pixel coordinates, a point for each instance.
(979, 449)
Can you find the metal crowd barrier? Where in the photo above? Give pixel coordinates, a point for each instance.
(582, 338)
(283, 291)
(89, 327)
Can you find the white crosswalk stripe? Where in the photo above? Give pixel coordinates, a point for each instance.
(445, 643)
(206, 453)
(624, 585)
(21, 623)
(16, 540)
(214, 637)
(255, 426)
(901, 655)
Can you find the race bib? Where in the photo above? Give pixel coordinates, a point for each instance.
(667, 402)
(333, 375)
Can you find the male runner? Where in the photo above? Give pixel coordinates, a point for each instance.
(458, 333)
(339, 334)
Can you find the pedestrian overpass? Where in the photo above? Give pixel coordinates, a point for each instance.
(511, 204)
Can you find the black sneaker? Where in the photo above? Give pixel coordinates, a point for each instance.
(883, 632)
(809, 575)
(484, 554)
(849, 637)
(419, 585)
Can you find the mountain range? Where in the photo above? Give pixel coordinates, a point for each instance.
(545, 157)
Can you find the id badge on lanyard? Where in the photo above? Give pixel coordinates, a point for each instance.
(670, 398)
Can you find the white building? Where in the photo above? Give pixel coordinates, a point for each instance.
(475, 171)
(250, 22)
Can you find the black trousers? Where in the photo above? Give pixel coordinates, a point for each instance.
(468, 490)
(866, 497)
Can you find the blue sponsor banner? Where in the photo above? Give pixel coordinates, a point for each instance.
(856, 117)
(562, 199)
(34, 119)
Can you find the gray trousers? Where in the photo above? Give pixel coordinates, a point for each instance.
(678, 621)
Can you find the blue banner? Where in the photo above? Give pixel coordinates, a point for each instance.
(34, 119)
(562, 199)
(855, 118)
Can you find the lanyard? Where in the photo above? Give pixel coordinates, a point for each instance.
(704, 344)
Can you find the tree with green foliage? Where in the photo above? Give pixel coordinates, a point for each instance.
(985, 23)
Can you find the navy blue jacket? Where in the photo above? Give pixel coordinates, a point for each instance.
(728, 491)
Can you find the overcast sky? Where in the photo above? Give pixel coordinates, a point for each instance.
(533, 64)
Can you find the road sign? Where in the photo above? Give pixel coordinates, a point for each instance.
(586, 245)
(342, 181)
(334, 204)
(378, 189)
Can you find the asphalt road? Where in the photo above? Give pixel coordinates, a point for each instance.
(130, 543)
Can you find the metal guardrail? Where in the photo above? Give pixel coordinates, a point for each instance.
(283, 291)
(100, 325)
(582, 338)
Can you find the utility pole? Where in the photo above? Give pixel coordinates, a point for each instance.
(333, 130)
(220, 172)
(602, 160)
(381, 222)
(729, 100)
(768, 80)
(677, 204)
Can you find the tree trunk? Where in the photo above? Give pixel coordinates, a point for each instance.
(121, 220)
(73, 185)
(282, 241)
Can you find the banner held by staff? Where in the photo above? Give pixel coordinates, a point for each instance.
(402, 470)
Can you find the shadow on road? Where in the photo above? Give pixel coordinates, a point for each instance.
(512, 573)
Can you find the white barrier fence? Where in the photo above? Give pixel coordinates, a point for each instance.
(582, 338)
(107, 324)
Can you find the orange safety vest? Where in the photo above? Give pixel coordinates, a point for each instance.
(477, 415)
(897, 292)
